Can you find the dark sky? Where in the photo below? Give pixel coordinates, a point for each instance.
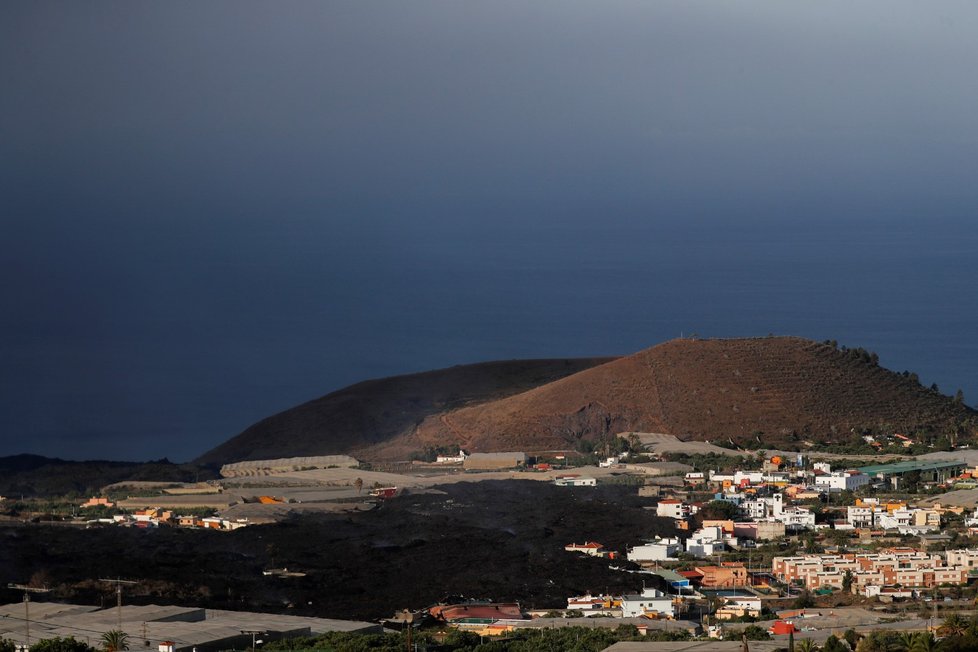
(214, 211)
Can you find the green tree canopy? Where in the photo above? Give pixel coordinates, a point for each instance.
(115, 640)
(720, 510)
(67, 644)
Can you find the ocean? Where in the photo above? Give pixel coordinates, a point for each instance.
(206, 344)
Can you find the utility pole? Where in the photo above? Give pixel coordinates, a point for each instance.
(27, 607)
(118, 597)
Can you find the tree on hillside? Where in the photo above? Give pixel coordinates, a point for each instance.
(719, 510)
(834, 644)
(752, 632)
(115, 640)
(804, 600)
(806, 645)
(847, 579)
(852, 637)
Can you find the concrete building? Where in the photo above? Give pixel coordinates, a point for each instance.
(650, 602)
(774, 509)
(727, 575)
(738, 479)
(575, 481)
(965, 558)
(842, 480)
(594, 605)
(708, 541)
(451, 459)
(861, 516)
(658, 550)
(589, 548)
(671, 508)
(759, 531)
(910, 521)
(904, 566)
(739, 607)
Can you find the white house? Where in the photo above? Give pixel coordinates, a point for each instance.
(708, 541)
(658, 550)
(593, 604)
(864, 516)
(451, 459)
(671, 508)
(910, 521)
(650, 601)
(842, 480)
(795, 518)
(590, 548)
(738, 478)
(574, 481)
(738, 607)
(773, 508)
(763, 507)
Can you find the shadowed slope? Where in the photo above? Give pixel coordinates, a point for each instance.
(380, 410)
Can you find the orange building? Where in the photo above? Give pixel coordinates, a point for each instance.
(727, 575)
(98, 502)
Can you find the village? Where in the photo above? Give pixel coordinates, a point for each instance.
(791, 547)
(853, 532)
(770, 546)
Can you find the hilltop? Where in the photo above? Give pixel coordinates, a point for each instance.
(377, 411)
(755, 392)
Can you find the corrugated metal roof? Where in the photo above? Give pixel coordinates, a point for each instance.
(911, 465)
(185, 626)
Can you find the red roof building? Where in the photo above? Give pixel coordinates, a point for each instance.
(783, 627)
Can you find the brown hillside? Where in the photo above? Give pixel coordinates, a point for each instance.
(379, 410)
(784, 387)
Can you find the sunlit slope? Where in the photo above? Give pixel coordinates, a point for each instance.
(773, 390)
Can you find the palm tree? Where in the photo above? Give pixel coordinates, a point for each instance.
(953, 625)
(115, 640)
(806, 645)
(905, 641)
(925, 642)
